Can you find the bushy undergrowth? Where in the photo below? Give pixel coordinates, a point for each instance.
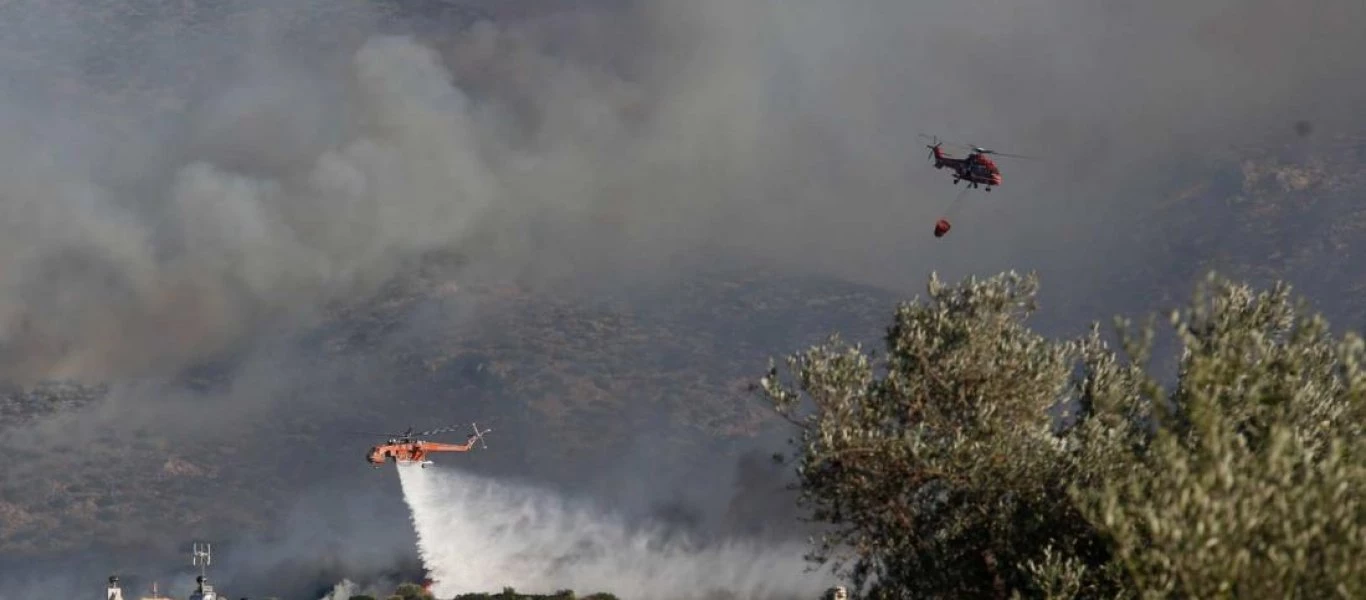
(413, 591)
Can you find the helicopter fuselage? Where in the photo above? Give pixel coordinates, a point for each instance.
(412, 452)
(976, 168)
(403, 449)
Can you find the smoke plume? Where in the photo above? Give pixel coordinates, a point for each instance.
(479, 534)
(188, 181)
(170, 194)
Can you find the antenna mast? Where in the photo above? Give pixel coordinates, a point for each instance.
(201, 557)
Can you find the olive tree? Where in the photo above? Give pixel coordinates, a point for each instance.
(979, 459)
(938, 466)
(1251, 485)
(412, 591)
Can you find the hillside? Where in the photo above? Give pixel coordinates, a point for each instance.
(1291, 210)
(576, 385)
(572, 387)
(635, 397)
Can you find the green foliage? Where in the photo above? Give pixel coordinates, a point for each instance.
(361, 597)
(412, 591)
(941, 476)
(941, 472)
(1252, 488)
(511, 594)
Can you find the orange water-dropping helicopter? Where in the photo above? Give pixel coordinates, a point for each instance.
(975, 168)
(405, 449)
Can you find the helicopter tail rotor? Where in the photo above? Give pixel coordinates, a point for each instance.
(934, 145)
(480, 435)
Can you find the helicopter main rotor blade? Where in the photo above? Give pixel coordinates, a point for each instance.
(1015, 155)
(391, 435)
(436, 431)
(990, 151)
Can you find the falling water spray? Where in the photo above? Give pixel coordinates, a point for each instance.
(479, 534)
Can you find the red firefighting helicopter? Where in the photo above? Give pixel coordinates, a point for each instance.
(405, 449)
(975, 168)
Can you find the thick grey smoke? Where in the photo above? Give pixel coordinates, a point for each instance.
(184, 180)
(477, 534)
(105, 299)
(590, 141)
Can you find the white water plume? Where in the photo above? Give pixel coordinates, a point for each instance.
(342, 591)
(480, 534)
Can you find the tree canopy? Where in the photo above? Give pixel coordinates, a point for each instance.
(413, 591)
(976, 457)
